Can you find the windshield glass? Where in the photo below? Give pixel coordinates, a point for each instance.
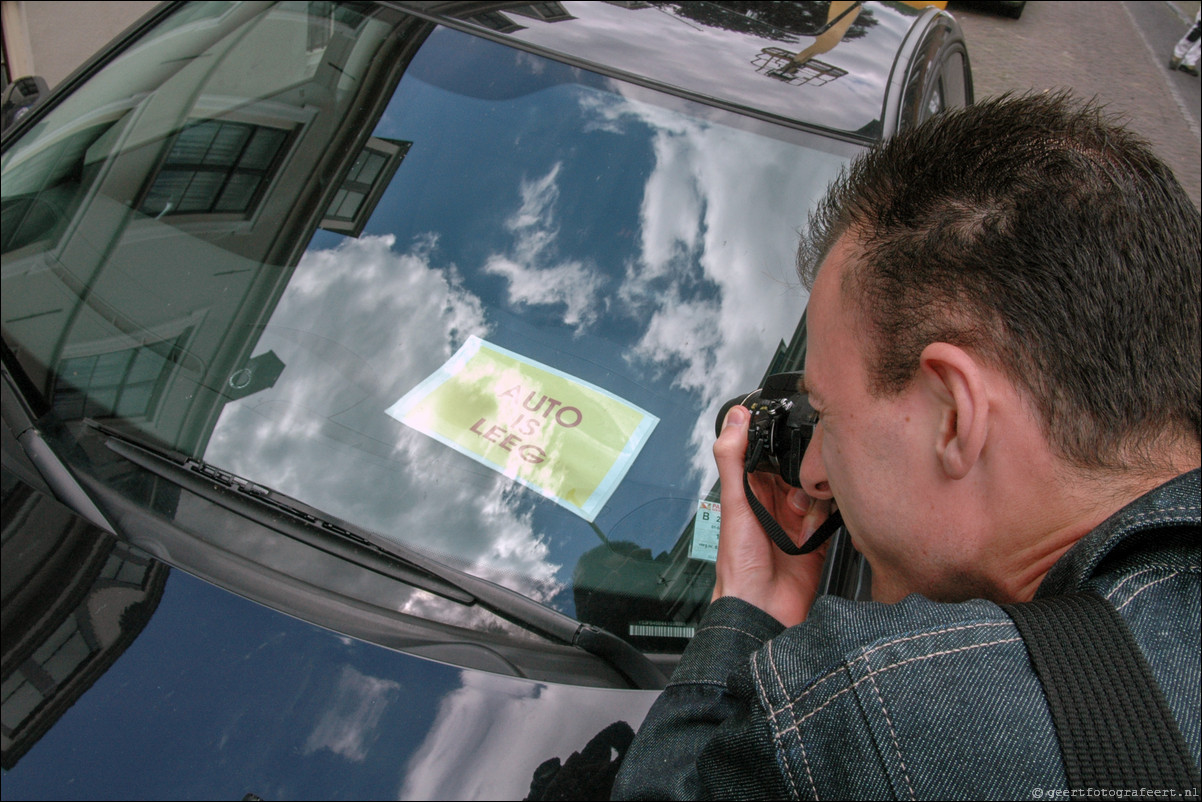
(468, 298)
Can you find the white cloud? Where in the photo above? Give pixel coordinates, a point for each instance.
(347, 725)
(536, 277)
(568, 283)
(704, 204)
(321, 434)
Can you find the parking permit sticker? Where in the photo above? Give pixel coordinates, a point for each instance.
(705, 531)
(569, 440)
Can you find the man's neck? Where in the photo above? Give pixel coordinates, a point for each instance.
(1075, 504)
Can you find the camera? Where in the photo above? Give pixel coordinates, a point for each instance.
(781, 427)
(782, 423)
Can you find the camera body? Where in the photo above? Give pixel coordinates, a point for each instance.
(782, 424)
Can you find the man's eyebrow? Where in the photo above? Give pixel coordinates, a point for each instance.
(805, 388)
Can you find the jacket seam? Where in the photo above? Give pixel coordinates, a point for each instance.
(1144, 587)
(781, 752)
(891, 666)
(806, 762)
(892, 730)
(1161, 515)
(686, 683)
(728, 628)
(1174, 572)
(1175, 569)
(895, 641)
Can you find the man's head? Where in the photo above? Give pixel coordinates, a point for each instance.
(1004, 300)
(1051, 242)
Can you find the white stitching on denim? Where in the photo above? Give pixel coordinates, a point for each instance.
(755, 638)
(809, 775)
(814, 686)
(1145, 587)
(1137, 574)
(759, 685)
(763, 694)
(776, 672)
(776, 739)
(892, 732)
(1174, 571)
(892, 666)
(1161, 513)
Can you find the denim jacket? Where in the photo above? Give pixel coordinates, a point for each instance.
(914, 700)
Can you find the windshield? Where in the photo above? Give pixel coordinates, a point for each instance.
(473, 300)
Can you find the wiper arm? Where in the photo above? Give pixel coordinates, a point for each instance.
(299, 521)
(256, 503)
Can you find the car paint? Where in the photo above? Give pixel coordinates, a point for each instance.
(174, 688)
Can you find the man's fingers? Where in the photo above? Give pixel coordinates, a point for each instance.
(730, 449)
(729, 454)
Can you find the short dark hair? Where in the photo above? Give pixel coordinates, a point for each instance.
(1039, 233)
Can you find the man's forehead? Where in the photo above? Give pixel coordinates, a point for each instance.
(834, 265)
(826, 317)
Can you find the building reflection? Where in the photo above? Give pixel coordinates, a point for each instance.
(85, 220)
(499, 16)
(212, 154)
(74, 598)
(803, 66)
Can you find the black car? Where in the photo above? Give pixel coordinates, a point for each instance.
(360, 366)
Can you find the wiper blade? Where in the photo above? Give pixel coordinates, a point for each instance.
(297, 520)
(256, 503)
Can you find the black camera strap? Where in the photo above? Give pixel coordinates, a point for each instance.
(1115, 728)
(773, 528)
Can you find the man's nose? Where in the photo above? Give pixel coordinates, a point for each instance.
(813, 471)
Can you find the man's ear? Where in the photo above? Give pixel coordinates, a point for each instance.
(955, 381)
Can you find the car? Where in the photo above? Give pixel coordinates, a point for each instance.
(360, 369)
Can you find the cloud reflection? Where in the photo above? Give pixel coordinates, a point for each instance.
(359, 325)
(535, 277)
(508, 727)
(704, 300)
(347, 726)
(704, 204)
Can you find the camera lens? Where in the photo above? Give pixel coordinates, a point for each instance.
(744, 399)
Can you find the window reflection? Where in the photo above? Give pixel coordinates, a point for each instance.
(215, 166)
(125, 383)
(365, 182)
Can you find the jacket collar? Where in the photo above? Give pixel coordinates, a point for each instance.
(1174, 506)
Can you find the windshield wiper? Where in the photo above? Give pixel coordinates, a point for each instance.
(299, 521)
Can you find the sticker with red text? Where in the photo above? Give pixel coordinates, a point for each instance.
(563, 437)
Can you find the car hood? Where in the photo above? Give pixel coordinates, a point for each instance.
(127, 679)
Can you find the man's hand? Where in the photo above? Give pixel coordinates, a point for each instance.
(750, 566)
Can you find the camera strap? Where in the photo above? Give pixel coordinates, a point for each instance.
(773, 529)
(1114, 726)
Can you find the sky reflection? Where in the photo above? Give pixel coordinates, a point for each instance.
(566, 218)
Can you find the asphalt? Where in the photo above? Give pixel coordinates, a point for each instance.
(1116, 52)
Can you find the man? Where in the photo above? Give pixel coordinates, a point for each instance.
(1003, 349)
